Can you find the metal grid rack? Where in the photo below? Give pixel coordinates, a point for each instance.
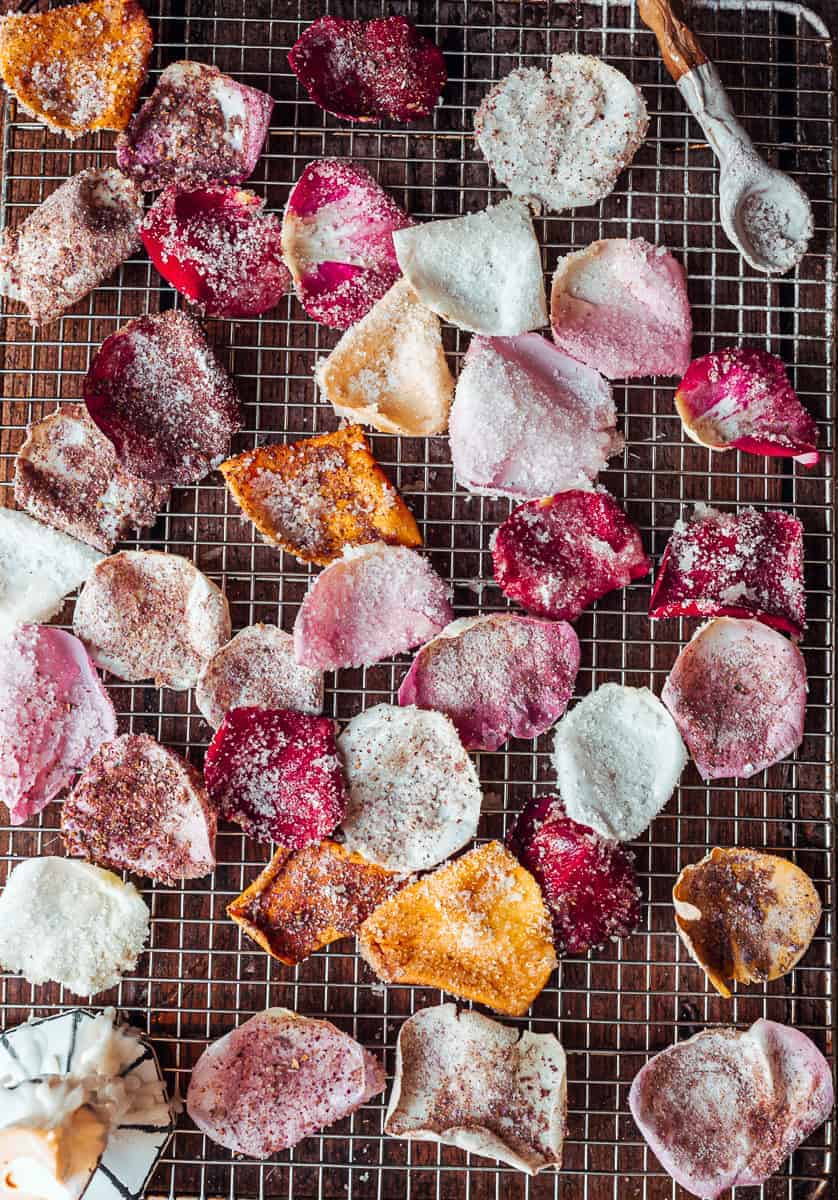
(612, 1008)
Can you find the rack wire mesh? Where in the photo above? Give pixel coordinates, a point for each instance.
(200, 976)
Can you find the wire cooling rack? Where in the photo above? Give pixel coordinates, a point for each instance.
(613, 1008)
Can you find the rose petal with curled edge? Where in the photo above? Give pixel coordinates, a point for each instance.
(740, 398)
(528, 421)
(375, 602)
(496, 677)
(557, 555)
(366, 70)
(337, 235)
(588, 882)
(465, 1080)
(158, 392)
(745, 916)
(219, 248)
(726, 1107)
(477, 928)
(276, 1079)
(621, 307)
(743, 564)
(277, 774)
(737, 693)
(316, 497)
(306, 899)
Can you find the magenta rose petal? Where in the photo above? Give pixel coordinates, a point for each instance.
(737, 693)
(741, 399)
(277, 774)
(588, 882)
(745, 564)
(219, 248)
(156, 389)
(496, 677)
(337, 235)
(558, 555)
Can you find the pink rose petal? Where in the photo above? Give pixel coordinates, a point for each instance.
(745, 564)
(219, 248)
(277, 774)
(496, 677)
(588, 883)
(737, 693)
(558, 555)
(366, 70)
(337, 235)
(54, 714)
(375, 602)
(277, 1079)
(741, 399)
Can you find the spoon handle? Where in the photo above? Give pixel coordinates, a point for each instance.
(679, 47)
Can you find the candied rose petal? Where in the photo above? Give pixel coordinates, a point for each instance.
(726, 1107)
(528, 421)
(365, 70)
(219, 248)
(337, 235)
(496, 677)
(156, 389)
(375, 602)
(744, 564)
(556, 556)
(737, 693)
(197, 126)
(277, 774)
(741, 398)
(54, 714)
(588, 882)
(140, 807)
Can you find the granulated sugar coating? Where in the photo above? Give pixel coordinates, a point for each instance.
(476, 927)
(588, 882)
(389, 370)
(277, 1079)
(745, 916)
(561, 138)
(741, 398)
(306, 899)
(496, 677)
(337, 235)
(54, 713)
(316, 497)
(481, 272)
(147, 615)
(257, 669)
(71, 243)
(528, 421)
(72, 924)
(140, 807)
(618, 757)
(277, 774)
(621, 307)
(743, 564)
(67, 475)
(737, 692)
(79, 67)
(726, 1107)
(375, 602)
(197, 126)
(156, 389)
(219, 248)
(414, 795)
(557, 555)
(465, 1080)
(369, 70)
